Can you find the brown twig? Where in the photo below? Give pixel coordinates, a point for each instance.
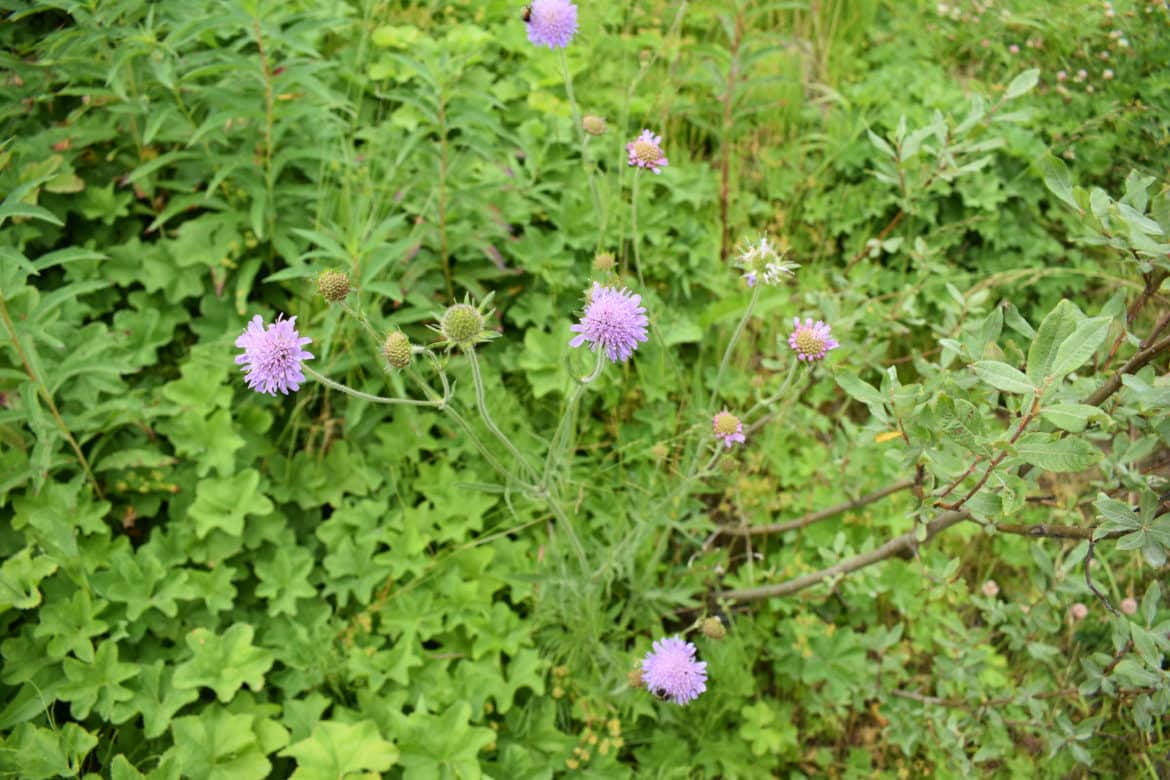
(1140, 358)
(1025, 421)
(818, 515)
(1154, 281)
(899, 545)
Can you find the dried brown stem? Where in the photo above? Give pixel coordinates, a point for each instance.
(820, 514)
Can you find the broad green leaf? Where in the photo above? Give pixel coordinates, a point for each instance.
(224, 663)
(19, 577)
(1057, 454)
(98, 684)
(1080, 345)
(70, 624)
(1056, 327)
(1022, 84)
(859, 389)
(447, 741)
(218, 745)
(223, 502)
(1072, 417)
(1003, 377)
(336, 751)
(284, 578)
(35, 753)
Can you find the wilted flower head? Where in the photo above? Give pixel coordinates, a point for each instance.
(551, 23)
(613, 319)
(646, 152)
(728, 427)
(713, 628)
(671, 671)
(594, 125)
(604, 262)
(811, 341)
(762, 259)
(272, 357)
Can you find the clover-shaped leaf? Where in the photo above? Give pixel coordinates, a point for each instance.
(224, 663)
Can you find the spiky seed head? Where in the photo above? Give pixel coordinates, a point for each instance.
(396, 349)
(594, 125)
(461, 325)
(333, 286)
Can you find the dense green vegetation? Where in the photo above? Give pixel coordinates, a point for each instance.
(937, 551)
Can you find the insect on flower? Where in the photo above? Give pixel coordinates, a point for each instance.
(526, 14)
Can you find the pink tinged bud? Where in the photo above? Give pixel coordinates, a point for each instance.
(1061, 75)
(990, 589)
(1078, 612)
(1129, 605)
(1014, 49)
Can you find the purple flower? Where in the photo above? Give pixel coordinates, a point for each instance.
(671, 671)
(613, 319)
(646, 152)
(272, 358)
(811, 341)
(728, 427)
(551, 23)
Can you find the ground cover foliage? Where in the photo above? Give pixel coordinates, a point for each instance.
(939, 550)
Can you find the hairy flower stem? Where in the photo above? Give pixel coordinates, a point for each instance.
(558, 446)
(634, 229)
(468, 431)
(481, 404)
(734, 340)
(437, 403)
(766, 402)
(598, 209)
(44, 391)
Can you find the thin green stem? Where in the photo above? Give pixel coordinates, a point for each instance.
(778, 394)
(374, 399)
(598, 209)
(731, 344)
(556, 447)
(563, 518)
(481, 404)
(634, 229)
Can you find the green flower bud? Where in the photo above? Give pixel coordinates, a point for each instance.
(461, 325)
(397, 349)
(333, 286)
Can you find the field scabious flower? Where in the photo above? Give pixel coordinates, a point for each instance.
(551, 23)
(670, 670)
(272, 357)
(646, 152)
(728, 427)
(811, 341)
(614, 320)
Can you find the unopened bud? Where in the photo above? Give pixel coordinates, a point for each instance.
(462, 325)
(604, 262)
(397, 350)
(713, 628)
(594, 125)
(635, 678)
(333, 286)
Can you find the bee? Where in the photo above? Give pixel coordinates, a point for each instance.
(526, 14)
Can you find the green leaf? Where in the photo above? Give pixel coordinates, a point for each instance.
(223, 502)
(35, 753)
(447, 741)
(224, 663)
(1080, 345)
(1003, 377)
(218, 745)
(859, 389)
(284, 578)
(1057, 326)
(1022, 84)
(156, 698)
(1117, 516)
(1072, 417)
(1058, 455)
(338, 750)
(19, 577)
(97, 684)
(69, 624)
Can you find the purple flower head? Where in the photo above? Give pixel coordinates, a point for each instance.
(613, 319)
(811, 341)
(551, 23)
(728, 427)
(671, 671)
(646, 152)
(272, 357)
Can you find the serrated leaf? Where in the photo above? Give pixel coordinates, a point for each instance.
(19, 577)
(97, 685)
(223, 502)
(1057, 455)
(224, 663)
(1003, 377)
(338, 750)
(218, 745)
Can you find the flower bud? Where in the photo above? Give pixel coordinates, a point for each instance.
(604, 262)
(1078, 612)
(461, 325)
(1129, 605)
(594, 125)
(396, 349)
(634, 678)
(333, 286)
(990, 589)
(713, 628)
